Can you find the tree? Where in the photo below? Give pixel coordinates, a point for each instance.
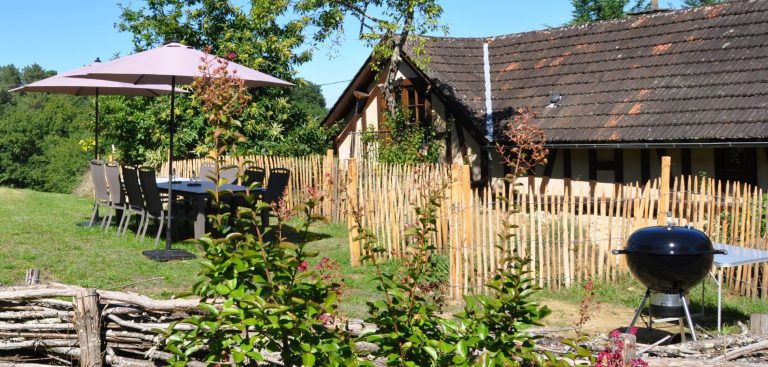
(585, 11)
(308, 97)
(40, 149)
(694, 3)
(35, 72)
(265, 36)
(10, 77)
(387, 30)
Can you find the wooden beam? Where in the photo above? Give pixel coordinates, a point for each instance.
(462, 143)
(360, 94)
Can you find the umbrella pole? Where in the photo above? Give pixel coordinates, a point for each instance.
(168, 239)
(168, 254)
(96, 129)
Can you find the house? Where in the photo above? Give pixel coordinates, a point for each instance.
(610, 96)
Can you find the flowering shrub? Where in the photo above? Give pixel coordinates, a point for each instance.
(611, 356)
(257, 290)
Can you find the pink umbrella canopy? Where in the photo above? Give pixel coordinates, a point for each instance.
(158, 65)
(174, 64)
(65, 83)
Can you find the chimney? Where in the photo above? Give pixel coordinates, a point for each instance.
(654, 5)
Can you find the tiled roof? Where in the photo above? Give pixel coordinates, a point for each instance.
(689, 75)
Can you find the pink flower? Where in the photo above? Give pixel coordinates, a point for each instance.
(232, 55)
(303, 266)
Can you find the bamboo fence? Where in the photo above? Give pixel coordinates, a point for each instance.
(568, 237)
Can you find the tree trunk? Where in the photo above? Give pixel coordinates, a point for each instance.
(394, 64)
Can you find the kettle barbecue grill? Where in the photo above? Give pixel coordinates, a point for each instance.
(669, 260)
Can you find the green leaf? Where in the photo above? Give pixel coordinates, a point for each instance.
(209, 308)
(308, 359)
(431, 351)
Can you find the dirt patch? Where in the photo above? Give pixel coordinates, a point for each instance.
(604, 318)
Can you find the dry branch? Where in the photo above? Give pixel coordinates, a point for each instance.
(739, 352)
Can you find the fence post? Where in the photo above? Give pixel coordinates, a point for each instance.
(327, 181)
(352, 208)
(661, 215)
(87, 323)
(467, 235)
(455, 238)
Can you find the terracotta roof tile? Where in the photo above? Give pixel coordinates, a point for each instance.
(693, 74)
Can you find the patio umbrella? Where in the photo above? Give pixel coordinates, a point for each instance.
(172, 64)
(64, 83)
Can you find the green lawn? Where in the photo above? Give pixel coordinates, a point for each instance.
(39, 230)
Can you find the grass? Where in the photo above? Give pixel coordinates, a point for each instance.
(39, 230)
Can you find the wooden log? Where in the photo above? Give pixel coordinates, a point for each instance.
(629, 352)
(38, 344)
(33, 335)
(149, 303)
(758, 324)
(739, 352)
(148, 326)
(47, 327)
(33, 277)
(88, 326)
(680, 362)
(19, 315)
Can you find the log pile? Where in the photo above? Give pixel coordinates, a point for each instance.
(57, 324)
(64, 325)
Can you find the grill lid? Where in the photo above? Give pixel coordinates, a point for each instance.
(669, 240)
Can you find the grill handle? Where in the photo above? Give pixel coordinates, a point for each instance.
(720, 252)
(619, 252)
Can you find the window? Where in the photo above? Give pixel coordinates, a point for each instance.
(415, 101)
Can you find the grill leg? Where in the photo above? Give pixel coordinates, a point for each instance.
(639, 309)
(688, 317)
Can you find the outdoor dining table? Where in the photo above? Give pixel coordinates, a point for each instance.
(199, 191)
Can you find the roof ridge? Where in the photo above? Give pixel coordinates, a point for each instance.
(630, 18)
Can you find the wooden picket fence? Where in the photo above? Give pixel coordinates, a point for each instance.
(568, 236)
(385, 195)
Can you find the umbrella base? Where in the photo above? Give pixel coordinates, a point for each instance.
(168, 255)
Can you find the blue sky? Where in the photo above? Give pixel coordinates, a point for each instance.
(65, 34)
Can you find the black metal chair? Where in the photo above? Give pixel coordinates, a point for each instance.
(277, 185)
(153, 203)
(135, 203)
(254, 175)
